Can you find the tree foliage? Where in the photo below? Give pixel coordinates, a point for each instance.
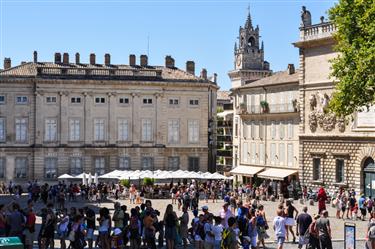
(354, 68)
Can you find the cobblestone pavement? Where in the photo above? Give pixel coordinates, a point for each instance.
(270, 207)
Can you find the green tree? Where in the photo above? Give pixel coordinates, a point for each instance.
(354, 67)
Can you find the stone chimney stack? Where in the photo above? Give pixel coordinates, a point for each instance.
(57, 58)
(215, 78)
(291, 69)
(7, 63)
(190, 67)
(65, 58)
(169, 61)
(77, 58)
(35, 56)
(132, 60)
(204, 74)
(92, 59)
(107, 59)
(144, 60)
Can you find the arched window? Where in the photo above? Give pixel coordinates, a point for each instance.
(369, 164)
(251, 42)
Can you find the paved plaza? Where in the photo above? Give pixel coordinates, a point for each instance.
(270, 207)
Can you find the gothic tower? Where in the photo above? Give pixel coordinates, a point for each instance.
(249, 63)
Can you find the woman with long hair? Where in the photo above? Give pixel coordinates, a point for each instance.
(290, 219)
(170, 221)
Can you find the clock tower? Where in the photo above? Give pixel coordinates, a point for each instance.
(249, 63)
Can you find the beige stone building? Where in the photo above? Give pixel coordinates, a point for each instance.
(334, 151)
(63, 117)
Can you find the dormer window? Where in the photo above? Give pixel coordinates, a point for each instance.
(147, 101)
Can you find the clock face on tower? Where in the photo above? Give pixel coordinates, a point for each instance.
(238, 60)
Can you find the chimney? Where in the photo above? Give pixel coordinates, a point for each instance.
(65, 58)
(215, 78)
(204, 74)
(291, 69)
(57, 58)
(169, 61)
(92, 59)
(77, 58)
(144, 60)
(35, 56)
(190, 67)
(7, 63)
(132, 60)
(107, 59)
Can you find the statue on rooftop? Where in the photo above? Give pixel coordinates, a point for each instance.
(306, 17)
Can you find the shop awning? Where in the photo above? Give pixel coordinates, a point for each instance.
(277, 174)
(246, 170)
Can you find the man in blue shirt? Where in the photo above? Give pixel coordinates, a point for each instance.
(362, 206)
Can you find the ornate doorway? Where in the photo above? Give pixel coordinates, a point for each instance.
(369, 177)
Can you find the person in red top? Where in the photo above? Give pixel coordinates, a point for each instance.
(29, 231)
(322, 198)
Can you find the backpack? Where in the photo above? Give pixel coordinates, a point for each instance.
(225, 239)
(133, 228)
(200, 231)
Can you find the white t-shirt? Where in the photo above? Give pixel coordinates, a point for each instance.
(279, 225)
(217, 231)
(225, 215)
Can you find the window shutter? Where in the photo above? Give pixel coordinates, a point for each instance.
(290, 155)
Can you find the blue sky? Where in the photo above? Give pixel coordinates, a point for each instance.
(203, 31)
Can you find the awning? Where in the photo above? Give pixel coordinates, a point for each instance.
(277, 174)
(246, 170)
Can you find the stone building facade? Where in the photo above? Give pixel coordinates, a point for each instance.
(334, 151)
(63, 117)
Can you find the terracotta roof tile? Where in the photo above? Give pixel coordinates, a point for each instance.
(277, 78)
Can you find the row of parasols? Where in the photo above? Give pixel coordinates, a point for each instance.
(88, 178)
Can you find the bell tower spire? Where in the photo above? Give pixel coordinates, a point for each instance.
(248, 24)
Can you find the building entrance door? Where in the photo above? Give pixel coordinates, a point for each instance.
(369, 177)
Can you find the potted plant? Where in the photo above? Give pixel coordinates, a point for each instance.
(243, 108)
(264, 106)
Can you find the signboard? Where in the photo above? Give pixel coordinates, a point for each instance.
(366, 119)
(349, 236)
(11, 242)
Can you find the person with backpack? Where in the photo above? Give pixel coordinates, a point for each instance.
(229, 237)
(134, 229)
(90, 225)
(199, 234)
(262, 226)
(314, 234)
(62, 227)
(324, 228)
(78, 233)
(303, 223)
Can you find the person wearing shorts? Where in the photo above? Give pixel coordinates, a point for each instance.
(279, 224)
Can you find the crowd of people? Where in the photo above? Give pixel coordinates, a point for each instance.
(241, 223)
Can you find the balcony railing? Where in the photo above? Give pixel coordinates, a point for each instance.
(224, 153)
(224, 123)
(274, 108)
(317, 31)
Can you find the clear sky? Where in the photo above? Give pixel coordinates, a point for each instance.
(203, 31)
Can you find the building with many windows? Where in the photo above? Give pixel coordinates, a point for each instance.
(63, 117)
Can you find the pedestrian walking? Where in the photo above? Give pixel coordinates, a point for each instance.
(324, 228)
(304, 221)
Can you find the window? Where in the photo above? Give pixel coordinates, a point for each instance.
(99, 100)
(244, 152)
(236, 127)
(273, 153)
(124, 163)
(75, 100)
(173, 131)
(21, 168)
(74, 130)
(253, 152)
(261, 130)
(340, 173)
(75, 166)
(147, 163)
(50, 168)
(290, 129)
(252, 129)
(193, 163)
(316, 168)
(245, 130)
(173, 101)
(123, 101)
(273, 130)
(2, 129)
(50, 130)
(261, 153)
(99, 129)
(51, 99)
(281, 130)
(146, 130)
(2, 99)
(2, 167)
(122, 130)
(147, 101)
(194, 102)
(193, 131)
(21, 130)
(281, 154)
(21, 99)
(99, 165)
(173, 163)
(290, 155)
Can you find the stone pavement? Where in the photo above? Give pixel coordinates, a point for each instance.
(270, 208)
